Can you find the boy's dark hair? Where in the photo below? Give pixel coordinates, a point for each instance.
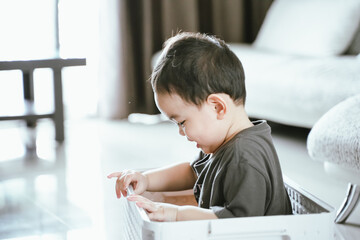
(195, 65)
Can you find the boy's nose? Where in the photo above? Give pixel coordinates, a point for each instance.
(181, 131)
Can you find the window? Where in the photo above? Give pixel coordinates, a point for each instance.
(29, 31)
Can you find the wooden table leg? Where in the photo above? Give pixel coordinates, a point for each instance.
(59, 108)
(28, 91)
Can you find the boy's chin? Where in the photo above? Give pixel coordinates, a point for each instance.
(206, 151)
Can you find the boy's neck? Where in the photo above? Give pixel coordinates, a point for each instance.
(239, 121)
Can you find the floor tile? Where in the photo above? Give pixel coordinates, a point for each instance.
(60, 191)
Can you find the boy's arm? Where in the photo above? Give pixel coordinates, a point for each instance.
(194, 213)
(164, 212)
(173, 178)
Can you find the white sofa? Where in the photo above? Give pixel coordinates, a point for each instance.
(304, 60)
(297, 69)
(294, 90)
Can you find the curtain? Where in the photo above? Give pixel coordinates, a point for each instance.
(131, 31)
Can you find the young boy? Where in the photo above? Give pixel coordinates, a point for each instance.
(199, 84)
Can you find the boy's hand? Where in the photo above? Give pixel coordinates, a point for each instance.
(161, 212)
(138, 180)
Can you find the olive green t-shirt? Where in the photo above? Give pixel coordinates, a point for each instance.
(243, 178)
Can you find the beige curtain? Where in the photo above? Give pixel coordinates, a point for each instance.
(131, 31)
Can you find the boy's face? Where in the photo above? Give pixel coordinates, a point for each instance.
(200, 125)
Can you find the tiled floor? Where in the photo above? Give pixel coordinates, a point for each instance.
(61, 191)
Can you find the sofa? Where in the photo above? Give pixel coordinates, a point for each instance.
(335, 141)
(305, 60)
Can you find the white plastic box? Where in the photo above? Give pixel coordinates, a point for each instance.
(312, 219)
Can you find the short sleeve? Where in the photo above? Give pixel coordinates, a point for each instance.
(244, 192)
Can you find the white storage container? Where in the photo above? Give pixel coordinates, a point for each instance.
(312, 219)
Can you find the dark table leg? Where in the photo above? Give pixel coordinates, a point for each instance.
(28, 85)
(59, 109)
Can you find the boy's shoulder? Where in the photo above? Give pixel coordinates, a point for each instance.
(249, 139)
(252, 146)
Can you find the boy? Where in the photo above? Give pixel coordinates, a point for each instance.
(199, 84)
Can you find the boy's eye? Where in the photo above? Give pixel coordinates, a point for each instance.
(181, 123)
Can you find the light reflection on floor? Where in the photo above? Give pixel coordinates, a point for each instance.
(52, 191)
(37, 199)
(60, 192)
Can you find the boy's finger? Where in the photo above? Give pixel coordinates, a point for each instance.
(120, 185)
(143, 202)
(124, 193)
(139, 198)
(150, 207)
(155, 216)
(127, 181)
(115, 174)
(117, 190)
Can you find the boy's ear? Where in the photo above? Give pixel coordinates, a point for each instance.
(218, 104)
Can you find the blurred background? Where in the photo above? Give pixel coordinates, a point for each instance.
(58, 189)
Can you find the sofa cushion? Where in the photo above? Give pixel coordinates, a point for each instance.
(294, 90)
(336, 136)
(309, 27)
